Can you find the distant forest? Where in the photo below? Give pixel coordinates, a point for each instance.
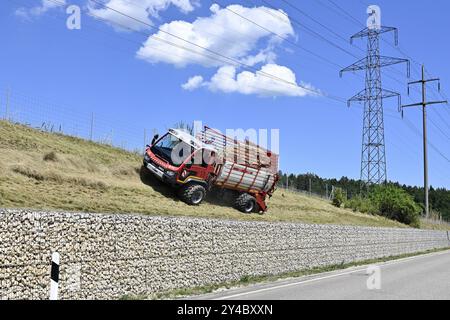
(439, 198)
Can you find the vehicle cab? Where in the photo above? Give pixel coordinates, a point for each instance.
(178, 159)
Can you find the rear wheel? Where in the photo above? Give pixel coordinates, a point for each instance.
(193, 194)
(245, 203)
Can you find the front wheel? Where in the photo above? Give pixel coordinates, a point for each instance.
(245, 203)
(193, 194)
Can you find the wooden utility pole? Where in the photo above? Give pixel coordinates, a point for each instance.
(424, 105)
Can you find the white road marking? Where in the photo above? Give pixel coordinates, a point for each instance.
(362, 268)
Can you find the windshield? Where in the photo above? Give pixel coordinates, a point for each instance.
(172, 149)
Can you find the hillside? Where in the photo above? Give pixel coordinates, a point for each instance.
(50, 171)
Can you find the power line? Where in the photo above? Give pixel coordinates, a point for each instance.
(269, 92)
(296, 8)
(396, 47)
(295, 21)
(414, 129)
(236, 62)
(439, 128)
(228, 59)
(334, 10)
(442, 118)
(266, 74)
(274, 33)
(319, 57)
(344, 12)
(122, 26)
(390, 69)
(268, 30)
(354, 20)
(311, 31)
(406, 142)
(323, 38)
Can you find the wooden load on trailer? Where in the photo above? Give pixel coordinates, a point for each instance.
(244, 166)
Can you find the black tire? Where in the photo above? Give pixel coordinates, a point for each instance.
(246, 203)
(193, 194)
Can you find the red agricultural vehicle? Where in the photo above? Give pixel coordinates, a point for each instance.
(212, 162)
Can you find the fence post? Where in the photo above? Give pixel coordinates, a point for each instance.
(54, 276)
(7, 97)
(145, 138)
(92, 127)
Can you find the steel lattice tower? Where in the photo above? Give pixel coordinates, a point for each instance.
(373, 158)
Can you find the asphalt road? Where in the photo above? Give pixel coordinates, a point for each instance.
(421, 277)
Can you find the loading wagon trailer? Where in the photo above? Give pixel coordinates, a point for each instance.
(249, 171)
(243, 165)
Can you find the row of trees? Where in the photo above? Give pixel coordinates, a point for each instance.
(439, 198)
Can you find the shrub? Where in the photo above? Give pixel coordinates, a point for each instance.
(51, 156)
(388, 201)
(394, 203)
(361, 204)
(338, 197)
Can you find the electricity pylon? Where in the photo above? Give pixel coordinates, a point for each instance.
(373, 158)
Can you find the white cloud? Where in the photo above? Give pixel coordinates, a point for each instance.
(264, 56)
(223, 32)
(193, 83)
(45, 6)
(142, 10)
(281, 82)
(228, 34)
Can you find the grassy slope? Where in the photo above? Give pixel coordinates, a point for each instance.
(96, 178)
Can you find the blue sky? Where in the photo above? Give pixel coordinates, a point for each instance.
(98, 70)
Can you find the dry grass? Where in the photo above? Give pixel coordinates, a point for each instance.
(434, 226)
(50, 171)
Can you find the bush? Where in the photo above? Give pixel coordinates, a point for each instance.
(361, 204)
(338, 197)
(51, 156)
(388, 201)
(394, 203)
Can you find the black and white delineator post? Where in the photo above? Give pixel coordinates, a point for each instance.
(54, 276)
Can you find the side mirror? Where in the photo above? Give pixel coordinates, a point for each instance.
(155, 137)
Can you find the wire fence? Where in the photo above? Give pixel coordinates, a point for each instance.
(326, 195)
(42, 114)
(437, 221)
